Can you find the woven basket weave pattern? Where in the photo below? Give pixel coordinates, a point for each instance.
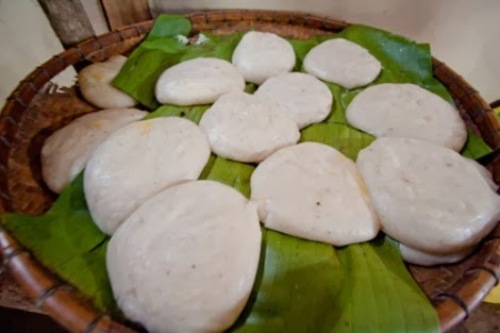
(34, 111)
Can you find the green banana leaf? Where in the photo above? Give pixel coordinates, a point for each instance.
(370, 303)
(402, 60)
(347, 140)
(193, 113)
(297, 288)
(475, 147)
(304, 286)
(496, 111)
(232, 173)
(168, 26)
(66, 240)
(214, 46)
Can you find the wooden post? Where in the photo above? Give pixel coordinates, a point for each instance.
(68, 19)
(124, 12)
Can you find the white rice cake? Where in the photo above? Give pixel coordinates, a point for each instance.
(66, 151)
(407, 110)
(247, 128)
(417, 257)
(95, 84)
(488, 177)
(137, 162)
(305, 99)
(342, 62)
(186, 260)
(261, 55)
(428, 197)
(312, 191)
(198, 81)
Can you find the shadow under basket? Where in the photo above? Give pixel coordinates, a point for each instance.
(36, 109)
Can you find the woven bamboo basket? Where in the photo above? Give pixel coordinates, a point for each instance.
(36, 109)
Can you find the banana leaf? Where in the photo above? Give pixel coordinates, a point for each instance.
(370, 303)
(475, 147)
(297, 287)
(349, 141)
(303, 286)
(66, 240)
(193, 113)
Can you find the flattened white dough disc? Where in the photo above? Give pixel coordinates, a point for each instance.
(429, 259)
(261, 55)
(342, 62)
(247, 128)
(186, 260)
(95, 84)
(137, 162)
(198, 81)
(428, 197)
(312, 191)
(488, 177)
(406, 110)
(306, 99)
(66, 151)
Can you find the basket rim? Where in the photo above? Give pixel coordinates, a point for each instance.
(69, 308)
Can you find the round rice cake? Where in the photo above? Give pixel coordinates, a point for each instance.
(487, 176)
(305, 99)
(261, 55)
(342, 62)
(247, 128)
(186, 260)
(428, 197)
(312, 191)
(95, 84)
(137, 162)
(65, 153)
(417, 257)
(407, 110)
(198, 81)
